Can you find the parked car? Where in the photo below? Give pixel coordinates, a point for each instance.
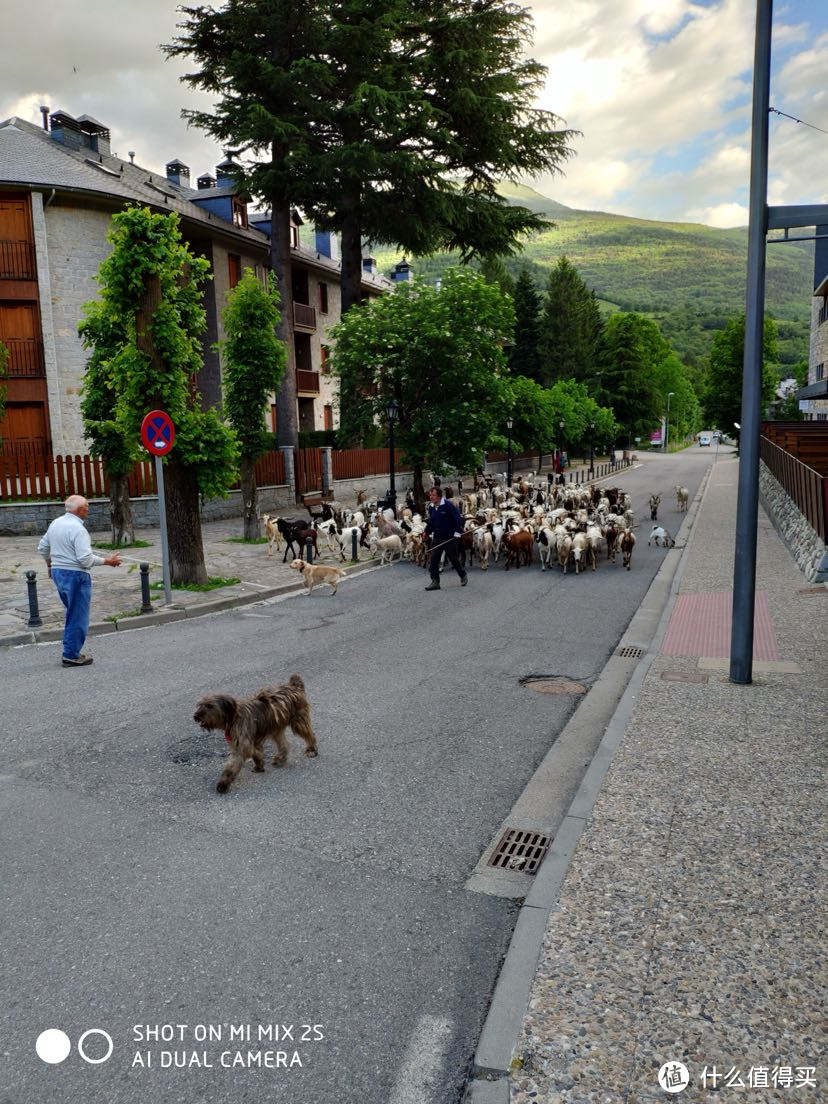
(704, 439)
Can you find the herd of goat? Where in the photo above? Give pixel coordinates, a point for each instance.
(569, 526)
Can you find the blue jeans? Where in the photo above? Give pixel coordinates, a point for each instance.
(75, 590)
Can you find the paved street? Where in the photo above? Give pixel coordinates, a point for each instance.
(330, 892)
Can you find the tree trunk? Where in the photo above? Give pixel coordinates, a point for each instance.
(287, 412)
(183, 524)
(250, 498)
(351, 245)
(120, 510)
(417, 487)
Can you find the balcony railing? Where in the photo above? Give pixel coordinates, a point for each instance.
(304, 316)
(25, 357)
(17, 261)
(307, 381)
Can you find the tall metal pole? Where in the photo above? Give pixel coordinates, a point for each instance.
(162, 518)
(667, 423)
(744, 569)
(392, 491)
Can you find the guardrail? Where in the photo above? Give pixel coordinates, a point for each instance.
(803, 484)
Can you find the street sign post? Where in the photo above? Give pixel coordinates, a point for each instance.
(158, 437)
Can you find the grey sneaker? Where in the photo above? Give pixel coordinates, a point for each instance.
(81, 661)
(433, 585)
(464, 580)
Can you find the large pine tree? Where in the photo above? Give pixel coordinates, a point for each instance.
(570, 327)
(525, 359)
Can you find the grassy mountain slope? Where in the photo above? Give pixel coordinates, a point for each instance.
(689, 277)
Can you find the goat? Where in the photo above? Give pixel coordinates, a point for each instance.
(661, 536)
(387, 547)
(345, 538)
(655, 502)
(682, 495)
(546, 541)
(272, 533)
(296, 531)
(564, 551)
(579, 546)
(627, 543)
(483, 545)
(611, 532)
(518, 548)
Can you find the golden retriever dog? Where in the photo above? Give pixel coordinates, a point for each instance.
(318, 573)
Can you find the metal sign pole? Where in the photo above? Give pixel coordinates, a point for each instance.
(747, 510)
(162, 518)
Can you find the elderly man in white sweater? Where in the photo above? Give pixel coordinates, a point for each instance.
(68, 552)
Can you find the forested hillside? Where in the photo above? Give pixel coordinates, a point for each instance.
(688, 277)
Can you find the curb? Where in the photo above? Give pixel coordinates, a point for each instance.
(490, 1077)
(172, 613)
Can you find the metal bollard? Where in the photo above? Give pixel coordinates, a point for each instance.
(354, 549)
(146, 605)
(34, 609)
(308, 550)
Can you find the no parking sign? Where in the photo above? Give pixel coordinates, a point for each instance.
(158, 433)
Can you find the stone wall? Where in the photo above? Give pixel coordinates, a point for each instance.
(805, 545)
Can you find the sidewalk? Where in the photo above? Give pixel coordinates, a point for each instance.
(117, 591)
(689, 924)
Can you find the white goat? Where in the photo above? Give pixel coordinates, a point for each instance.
(388, 548)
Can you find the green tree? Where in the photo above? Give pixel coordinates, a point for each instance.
(253, 363)
(538, 412)
(4, 369)
(524, 358)
(630, 350)
(151, 287)
(389, 121)
(570, 326)
(723, 391)
(675, 379)
(438, 354)
(103, 333)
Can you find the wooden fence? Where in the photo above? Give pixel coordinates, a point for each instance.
(355, 463)
(803, 484)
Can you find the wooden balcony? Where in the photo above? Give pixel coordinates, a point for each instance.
(17, 261)
(304, 317)
(25, 357)
(307, 383)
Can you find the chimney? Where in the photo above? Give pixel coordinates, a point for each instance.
(65, 129)
(131, 156)
(178, 173)
(205, 181)
(225, 171)
(402, 272)
(369, 266)
(44, 111)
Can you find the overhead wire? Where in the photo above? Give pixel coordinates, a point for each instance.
(794, 119)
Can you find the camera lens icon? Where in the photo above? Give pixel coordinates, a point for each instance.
(53, 1046)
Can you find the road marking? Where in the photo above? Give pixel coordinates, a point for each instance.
(417, 1081)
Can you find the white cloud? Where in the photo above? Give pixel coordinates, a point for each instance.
(723, 215)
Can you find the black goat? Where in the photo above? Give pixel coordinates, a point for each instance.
(297, 531)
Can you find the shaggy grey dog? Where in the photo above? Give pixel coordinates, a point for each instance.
(248, 722)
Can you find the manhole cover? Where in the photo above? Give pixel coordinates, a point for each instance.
(520, 851)
(684, 676)
(198, 746)
(630, 653)
(555, 686)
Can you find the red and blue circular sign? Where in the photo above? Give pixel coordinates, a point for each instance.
(158, 433)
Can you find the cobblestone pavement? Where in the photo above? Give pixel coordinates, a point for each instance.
(690, 924)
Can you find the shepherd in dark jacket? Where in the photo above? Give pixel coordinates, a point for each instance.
(444, 525)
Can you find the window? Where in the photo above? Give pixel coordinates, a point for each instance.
(323, 297)
(239, 213)
(233, 268)
(820, 371)
(328, 413)
(324, 354)
(294, 236)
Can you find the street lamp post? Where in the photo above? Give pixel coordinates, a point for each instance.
(509, 424)
(391, 411)
(592, 450)
(561, 447)
(667, 423)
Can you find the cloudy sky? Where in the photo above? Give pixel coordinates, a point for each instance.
(660, 89)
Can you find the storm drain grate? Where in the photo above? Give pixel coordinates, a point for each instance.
(521, 851)
(629, 652)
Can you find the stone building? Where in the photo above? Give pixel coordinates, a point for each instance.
(813, 397)
(60, 184)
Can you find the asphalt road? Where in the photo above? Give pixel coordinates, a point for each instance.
(328, 893)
